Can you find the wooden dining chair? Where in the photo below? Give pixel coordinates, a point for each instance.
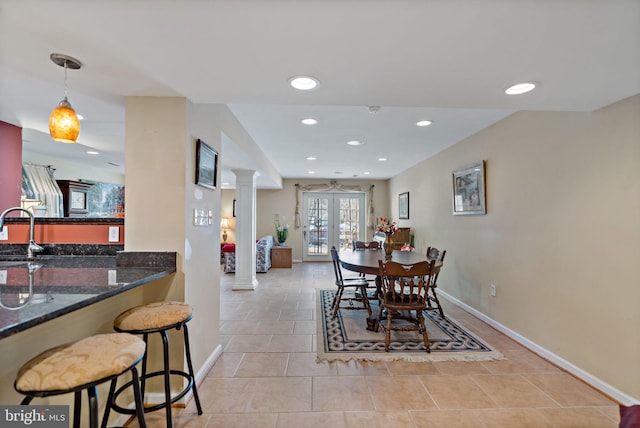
(372, 245)
(360, 245)
(379, 237)
(404, 298)
(358, 284)
(432, 301)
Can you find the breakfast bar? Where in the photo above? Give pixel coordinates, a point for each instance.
(44, 288)
(67, 293)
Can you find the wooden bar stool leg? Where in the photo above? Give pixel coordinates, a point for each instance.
(143, 378)
(167, 373)
(77, 408)
(107, 408)
(190, 365)
(135, 379)
(93, 407)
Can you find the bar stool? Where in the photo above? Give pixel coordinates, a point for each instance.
(157, 318)
(76, 366)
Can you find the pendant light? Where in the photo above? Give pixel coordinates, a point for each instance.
(64, 125)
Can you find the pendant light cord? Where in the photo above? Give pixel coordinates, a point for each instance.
(65, 80)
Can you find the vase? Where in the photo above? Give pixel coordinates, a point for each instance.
(388, 246)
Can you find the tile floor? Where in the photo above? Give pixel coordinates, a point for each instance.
(267, 375)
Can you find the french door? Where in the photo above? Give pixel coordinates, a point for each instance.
(331, 219)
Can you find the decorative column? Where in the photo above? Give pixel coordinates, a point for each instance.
(245, 230)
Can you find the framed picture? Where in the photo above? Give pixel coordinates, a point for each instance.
(206, 164)
(403, 206)
(468, 189)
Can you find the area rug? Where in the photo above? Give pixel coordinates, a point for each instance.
(347, 338)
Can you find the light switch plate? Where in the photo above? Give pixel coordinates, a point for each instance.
(202, 217)
(3, 276)
(4, 235)
(114, 234)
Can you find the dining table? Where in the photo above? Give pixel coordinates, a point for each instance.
(367, 262)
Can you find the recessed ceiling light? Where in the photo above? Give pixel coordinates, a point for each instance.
(354, 143)
(309, 121)
(382, 159)
(366, 173)
(80, 117)
(520, 88)
(304, 83)
(226, 183)
(92, 152)
(311, 158)
(312, 172)
(423, 123)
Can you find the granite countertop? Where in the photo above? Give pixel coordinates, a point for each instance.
(66, 220)
(47, 287)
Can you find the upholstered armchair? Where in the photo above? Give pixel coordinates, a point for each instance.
(263, 255)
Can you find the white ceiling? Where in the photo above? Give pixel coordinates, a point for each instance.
(444, 60)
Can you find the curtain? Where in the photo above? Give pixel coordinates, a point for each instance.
(332, 186)
(38, 183)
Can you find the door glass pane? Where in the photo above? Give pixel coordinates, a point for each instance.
(349, 215)
(317, 226)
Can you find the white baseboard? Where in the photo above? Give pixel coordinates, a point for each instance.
(600, 385)
(206, 367)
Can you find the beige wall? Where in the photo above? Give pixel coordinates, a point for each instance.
(283, 202)
(561, 238)
(161, 194)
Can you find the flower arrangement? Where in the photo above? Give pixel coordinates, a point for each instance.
(119, 212)
(282, 230)
(406, 247)
(387, 226)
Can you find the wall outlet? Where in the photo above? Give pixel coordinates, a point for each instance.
(3, 276)
(4, 235)
(114, 234)
(112, 277)
(492, 290)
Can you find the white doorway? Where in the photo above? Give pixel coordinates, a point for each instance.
(331, 219)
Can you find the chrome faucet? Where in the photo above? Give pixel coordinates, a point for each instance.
(33, 247)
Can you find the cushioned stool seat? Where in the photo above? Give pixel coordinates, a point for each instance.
(158, 318)
(80, 365)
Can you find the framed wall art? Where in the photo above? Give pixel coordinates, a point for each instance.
(468, 190)
(403, 206)
(206, 165)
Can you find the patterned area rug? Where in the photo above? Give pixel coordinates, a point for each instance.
(346, 338)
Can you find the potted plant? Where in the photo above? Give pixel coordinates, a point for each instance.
(282, 230)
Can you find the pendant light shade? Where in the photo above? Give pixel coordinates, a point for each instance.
(64, 125)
